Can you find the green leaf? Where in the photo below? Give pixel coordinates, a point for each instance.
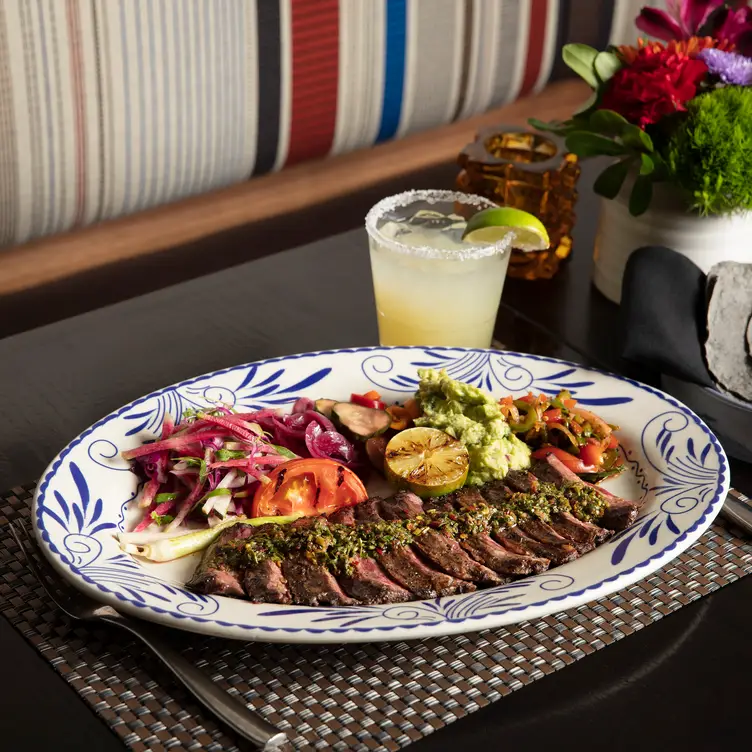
(605, 65)
(590, 103)
(642, 193)
(580, 58)
(162, 519)
(647, 166)
(554, 126)
(285, 452)
(608, 122)
(586, 144)
(163, 497)
(222, 455)
(609, 182)
(636, 138)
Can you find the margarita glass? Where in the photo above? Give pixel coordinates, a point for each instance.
(431, 286)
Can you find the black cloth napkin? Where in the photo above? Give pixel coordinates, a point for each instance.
(663, 314)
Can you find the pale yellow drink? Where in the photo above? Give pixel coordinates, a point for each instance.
(431, 287)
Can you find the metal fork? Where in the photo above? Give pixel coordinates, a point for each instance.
(79, 606)
(738, 509)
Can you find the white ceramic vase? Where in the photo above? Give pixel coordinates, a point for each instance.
(704, 240)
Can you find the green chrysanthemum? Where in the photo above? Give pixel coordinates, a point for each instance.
(709, 155)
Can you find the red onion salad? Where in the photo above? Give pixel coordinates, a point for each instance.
(308, 433)
(209, 466)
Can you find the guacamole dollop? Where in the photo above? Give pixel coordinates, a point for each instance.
(473, 417)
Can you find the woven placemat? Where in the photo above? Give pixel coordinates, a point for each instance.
(371, 697)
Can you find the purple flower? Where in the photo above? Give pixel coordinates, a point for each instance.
(730, 67)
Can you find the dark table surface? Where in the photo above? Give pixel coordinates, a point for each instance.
(681, 683)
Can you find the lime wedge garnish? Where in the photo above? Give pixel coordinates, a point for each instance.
(492, 225)
(427, 461)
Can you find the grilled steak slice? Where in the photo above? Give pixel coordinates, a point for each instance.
(522, 481)
(402, 565)
(544, 533)
(584, 535)
(265, 583)
(369, 584)
(343, 516)
(495, 492)
(217, 574)
(401, 562)
(556, 554)
(368, 510)
(485, 550)
(312, 585)
(309, 583)
(402, 506)
(440, 549)
(619, 513)
(447, 554)
(464, 498)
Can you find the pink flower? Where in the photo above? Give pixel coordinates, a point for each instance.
(688, 18)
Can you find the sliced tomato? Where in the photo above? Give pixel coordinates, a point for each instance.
(592, 453)
(367, 400)
(552, 415)
(569, 403)
(575, 464)
(613, 442)
(310, 486)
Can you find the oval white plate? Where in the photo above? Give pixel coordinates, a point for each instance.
(674, 463)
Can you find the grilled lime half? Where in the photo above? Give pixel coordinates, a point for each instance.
(427, 461)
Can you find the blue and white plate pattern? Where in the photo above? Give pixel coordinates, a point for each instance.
(85, 497)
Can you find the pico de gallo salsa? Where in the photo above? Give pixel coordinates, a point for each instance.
(582, 440)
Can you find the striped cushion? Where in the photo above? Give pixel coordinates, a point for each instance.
(111, 106)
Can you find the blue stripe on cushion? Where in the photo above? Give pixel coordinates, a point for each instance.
(394, 67)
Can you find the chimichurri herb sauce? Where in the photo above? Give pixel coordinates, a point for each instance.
(335, 545)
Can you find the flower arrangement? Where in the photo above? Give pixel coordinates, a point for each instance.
(676, 111)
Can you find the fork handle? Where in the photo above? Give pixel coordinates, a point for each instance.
(226, 707)
(738, 509)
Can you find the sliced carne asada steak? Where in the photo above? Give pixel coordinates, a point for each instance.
(618, 513)
(403, 548)
(404, 566)
(367, 581)
(265, 583)
(402, 506)
(312, 584)
(368, 510)
(440, 549)
(220, 571)
(485, 550)
(584, 535)
(369, 584)
(496, 492)
(343, 516)
(558, 554)
(446, 553)
(309, 582)
(521, 481)
(544, 533)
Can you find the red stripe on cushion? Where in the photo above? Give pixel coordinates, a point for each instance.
(315, 74)
(536, 42)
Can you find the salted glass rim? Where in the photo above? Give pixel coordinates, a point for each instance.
(469, 251)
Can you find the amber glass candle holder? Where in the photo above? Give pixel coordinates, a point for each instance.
(529, 171)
